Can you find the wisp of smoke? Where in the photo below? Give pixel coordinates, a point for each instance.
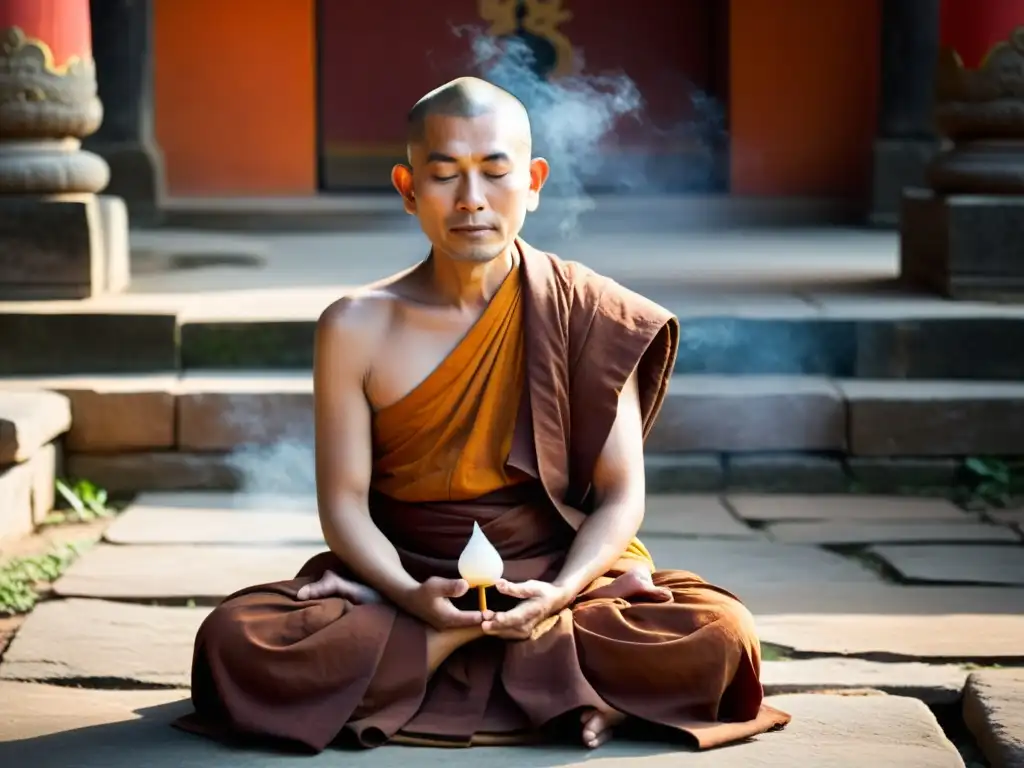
(571, 117)
(277, 454)
(575, 120)
(284, 467)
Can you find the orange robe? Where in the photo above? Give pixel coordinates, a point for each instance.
(505, 432)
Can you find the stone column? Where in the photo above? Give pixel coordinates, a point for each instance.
(962, 232)
(122, 49)
(907, 140)
(58, 240)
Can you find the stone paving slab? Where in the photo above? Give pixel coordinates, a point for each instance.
(843, 508)
(30, 420)
(979, 637)
(27, 492)
(167, 470)
(112, 412)
(102, 642)
(222, 412)
(956, 564)
(740, 564)
(890, 532)
(146, 572)
(994, 713)
(260, 502)
(167, 525)
(785, 473)
(49, 727)
(707, 413)
(694, 515)
(683, 472)
(931, 683)
(1007, 516)
(891, 417)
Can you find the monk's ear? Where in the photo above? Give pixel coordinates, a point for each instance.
(401, 177)
(539, 172)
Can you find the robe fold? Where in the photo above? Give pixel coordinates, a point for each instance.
(506, 432)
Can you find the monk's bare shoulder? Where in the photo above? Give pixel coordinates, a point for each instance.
(358, 323)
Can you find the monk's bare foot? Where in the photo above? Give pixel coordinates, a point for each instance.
(634, 583)
(598, 725)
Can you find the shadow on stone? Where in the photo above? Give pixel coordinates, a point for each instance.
(153, 742)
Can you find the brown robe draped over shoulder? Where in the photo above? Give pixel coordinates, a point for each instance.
(506, 432)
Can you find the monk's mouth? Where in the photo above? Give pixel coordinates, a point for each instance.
(471, 230)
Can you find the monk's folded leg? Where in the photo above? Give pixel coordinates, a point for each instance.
(267, 664)
(691, 663)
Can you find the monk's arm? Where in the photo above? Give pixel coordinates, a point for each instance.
(619, 489)
(344, 450)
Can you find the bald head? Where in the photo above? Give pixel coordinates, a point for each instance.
(467, 97)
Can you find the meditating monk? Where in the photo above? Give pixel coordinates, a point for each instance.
(492, 384)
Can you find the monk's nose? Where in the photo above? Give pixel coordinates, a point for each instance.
(471, 198)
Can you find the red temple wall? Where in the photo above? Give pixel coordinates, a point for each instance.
(235, 99)
(236, 103)
(803, 96)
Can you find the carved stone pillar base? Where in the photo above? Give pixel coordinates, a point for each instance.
(962, 233)
(979, 167)
(58, 238)
(963, 246)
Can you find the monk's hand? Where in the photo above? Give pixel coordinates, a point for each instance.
(332, 585)
(540, 600)
(432, 602)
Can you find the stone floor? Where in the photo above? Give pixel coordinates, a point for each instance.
(96, 672)
(788, 273)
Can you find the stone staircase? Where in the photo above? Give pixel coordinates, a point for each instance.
(881, 393)
(252, 430)
(875, 602)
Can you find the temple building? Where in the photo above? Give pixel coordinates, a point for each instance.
(831, 105)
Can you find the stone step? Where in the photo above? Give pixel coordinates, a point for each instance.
(993, 709)
(30, 422)
(48, 725)
(880, 335)
(253, 430)
(208, 412)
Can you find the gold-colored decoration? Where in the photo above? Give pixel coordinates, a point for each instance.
(15, 45)
(987, 101)
(541, 18)
(981, 112)
(41, 99)
(501, 14)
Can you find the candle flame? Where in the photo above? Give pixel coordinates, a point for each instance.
(480, 564)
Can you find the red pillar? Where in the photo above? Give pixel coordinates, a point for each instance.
(55, 244)
(59, 28)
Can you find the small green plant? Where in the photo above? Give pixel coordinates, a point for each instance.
(84, 502)
(770, 652)
(21, 576)
(987, 483)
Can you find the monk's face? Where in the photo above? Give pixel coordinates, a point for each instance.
(471, 184)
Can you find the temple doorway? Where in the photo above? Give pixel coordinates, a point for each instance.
(624, 96)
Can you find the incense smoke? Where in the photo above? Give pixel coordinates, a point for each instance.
(570, 118)
(575, 120)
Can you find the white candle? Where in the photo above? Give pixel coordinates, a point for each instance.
(480, 564)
